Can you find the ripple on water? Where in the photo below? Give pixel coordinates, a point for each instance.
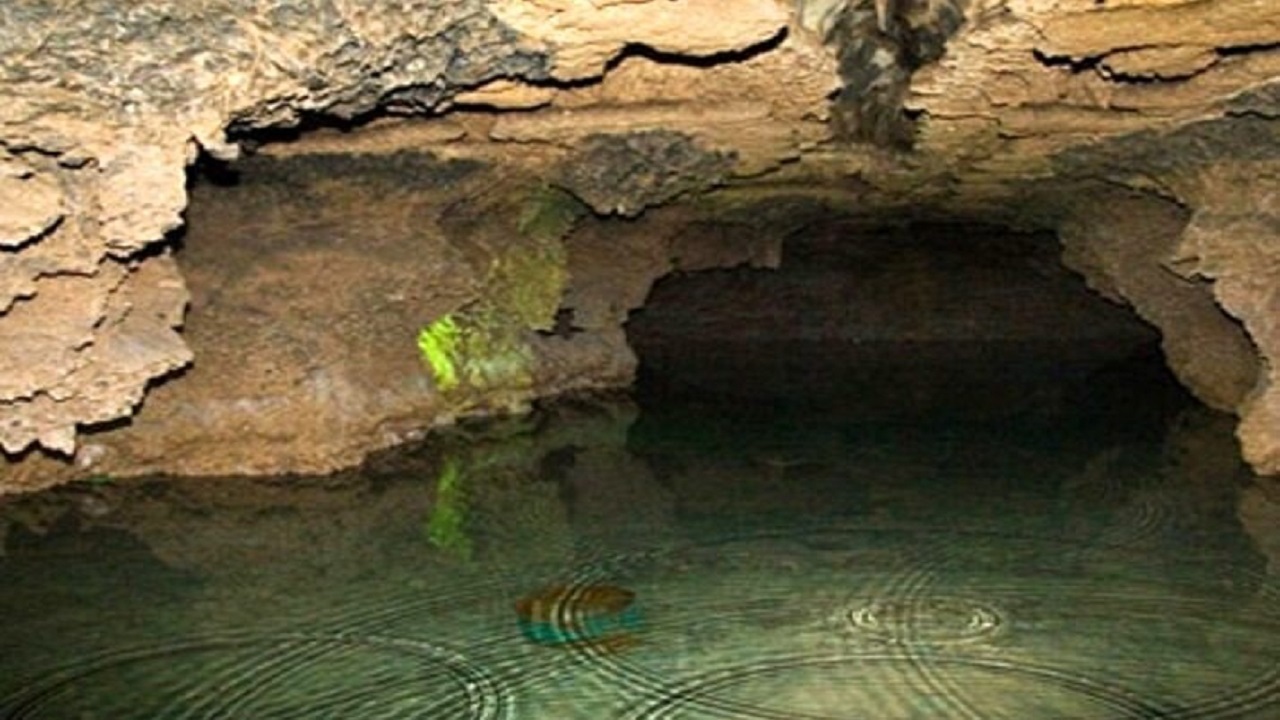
(1245, 701)
(925, 621)
(338, 676)
(924, 638)
(887, 686)
(714, 601)
(1142, 517)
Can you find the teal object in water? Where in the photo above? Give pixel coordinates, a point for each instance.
(561, 615)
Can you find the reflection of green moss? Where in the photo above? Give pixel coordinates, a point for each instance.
(439, 345)
(446, 527)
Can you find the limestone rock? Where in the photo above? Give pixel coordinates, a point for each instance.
(1232, 239)
(69, 249)
(31, 204)
(141, 195)
(506, 94)
(1125, 244)
(1027, 80)
(1225, 171)
(624, 174)
(1163, 63)
(1093, 32)
(101, 339)
(589, 33)
(114, 101)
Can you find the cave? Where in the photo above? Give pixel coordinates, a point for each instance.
(640, 358)
(902, 321)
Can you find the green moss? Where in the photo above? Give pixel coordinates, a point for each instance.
(447, 524)
(528, 280)
(549, 214)
(475, 347)
(480, 351)
(439, 343)
(492, 351)
(528, 284)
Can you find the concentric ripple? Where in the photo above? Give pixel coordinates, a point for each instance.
(910, 637)
(1143, 516)
(742, 613)
(927, 621)
(337, 676)
(885, 687)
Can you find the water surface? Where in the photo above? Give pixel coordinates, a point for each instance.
(783, 559)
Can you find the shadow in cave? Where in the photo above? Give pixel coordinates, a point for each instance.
(955, 336)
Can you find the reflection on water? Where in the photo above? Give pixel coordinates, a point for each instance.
(697, 560)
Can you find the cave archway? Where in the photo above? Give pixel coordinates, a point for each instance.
(874, 323)
(898, 319)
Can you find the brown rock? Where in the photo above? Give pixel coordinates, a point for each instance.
(1124, 245)
(1232, 239)
(1165, 63)
(32, 205)
(589, 34)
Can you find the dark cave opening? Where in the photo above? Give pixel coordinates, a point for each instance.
(924, 322)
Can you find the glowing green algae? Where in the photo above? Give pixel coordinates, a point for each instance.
(483, 347)
(439, 345)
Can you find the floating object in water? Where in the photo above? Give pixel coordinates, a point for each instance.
(566, 615)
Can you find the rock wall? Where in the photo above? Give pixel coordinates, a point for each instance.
(102, 111)
(101, 115)
(1000, 110)
(1231, 240)
(1125, 247)
(313, 279)
(1207, 208)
